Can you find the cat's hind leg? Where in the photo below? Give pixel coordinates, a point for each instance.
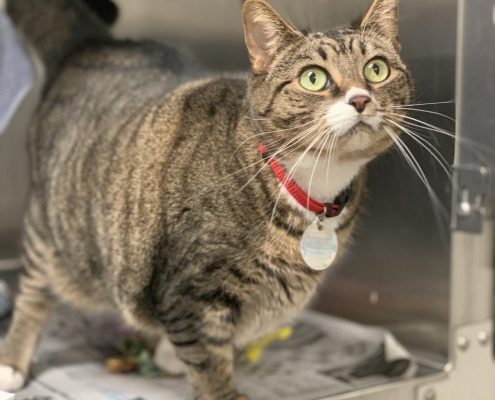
(32, 309)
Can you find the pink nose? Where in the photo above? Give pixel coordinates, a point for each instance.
(359, 102)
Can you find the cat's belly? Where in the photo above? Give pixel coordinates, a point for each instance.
(264, 318)
(265, 322)
(83, 292)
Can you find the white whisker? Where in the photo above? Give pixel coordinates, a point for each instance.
(278, 131)
(324, 142)
(416, 167)
(293, 170)
(475, 147)
(428, 104)
(299, 138)
(425, 111)
(434, 152)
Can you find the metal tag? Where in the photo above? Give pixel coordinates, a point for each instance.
(319, 245)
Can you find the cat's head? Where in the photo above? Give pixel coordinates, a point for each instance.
(330, 92)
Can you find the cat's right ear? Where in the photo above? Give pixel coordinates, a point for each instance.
(266, 33)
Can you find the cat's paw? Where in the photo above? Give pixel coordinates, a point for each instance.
(10, 379)
(166, 359)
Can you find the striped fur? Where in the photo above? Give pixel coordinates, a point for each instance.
(148, 198)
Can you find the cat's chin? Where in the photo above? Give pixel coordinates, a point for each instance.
(360, 127)
(369, 125)
(360, 138)
(363, 145)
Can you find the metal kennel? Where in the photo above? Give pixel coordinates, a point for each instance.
(421, 263)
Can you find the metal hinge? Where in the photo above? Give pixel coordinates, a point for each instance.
(471, 184)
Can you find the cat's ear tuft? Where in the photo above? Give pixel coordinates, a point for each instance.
(266, 33)
(383, 17)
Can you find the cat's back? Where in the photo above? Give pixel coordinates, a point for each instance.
(106, 78)
(100, 96)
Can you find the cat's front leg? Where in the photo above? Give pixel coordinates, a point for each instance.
(211, 371)
(202, 336)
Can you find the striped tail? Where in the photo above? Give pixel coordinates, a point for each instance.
(54, 28)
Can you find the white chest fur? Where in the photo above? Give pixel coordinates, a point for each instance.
(322, 180)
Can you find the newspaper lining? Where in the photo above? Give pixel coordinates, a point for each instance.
(324, 356)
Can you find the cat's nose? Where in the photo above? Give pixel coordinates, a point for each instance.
(359, 102)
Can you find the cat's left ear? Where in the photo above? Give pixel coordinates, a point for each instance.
(266, 33)
(383, 17)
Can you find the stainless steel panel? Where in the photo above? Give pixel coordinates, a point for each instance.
(14, 181)
(473, 267)
(476, 122)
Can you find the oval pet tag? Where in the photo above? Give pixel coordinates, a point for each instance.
(319, 245)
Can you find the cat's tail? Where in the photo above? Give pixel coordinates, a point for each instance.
(54, 28)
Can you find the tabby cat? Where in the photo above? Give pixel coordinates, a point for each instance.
(149, 194)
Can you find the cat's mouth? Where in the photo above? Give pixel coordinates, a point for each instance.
(362, 124)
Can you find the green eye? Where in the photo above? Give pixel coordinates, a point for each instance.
(314, 79)
(376, 71)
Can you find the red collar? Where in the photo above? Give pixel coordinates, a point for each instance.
(329, 209)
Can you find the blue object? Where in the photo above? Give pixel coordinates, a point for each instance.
(17, 73)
